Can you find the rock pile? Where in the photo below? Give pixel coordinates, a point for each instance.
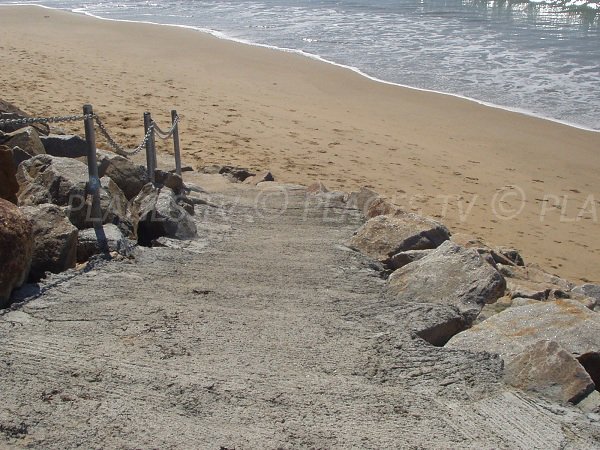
(45, 209)
(468, 295)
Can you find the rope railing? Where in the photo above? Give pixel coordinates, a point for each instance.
(91, 121)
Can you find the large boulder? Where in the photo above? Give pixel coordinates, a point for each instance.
(449, 275)
(61, 181)
(8, 175)
(55, 240)
(26, 138)
(16, 249)
(10, 111)
(48, 179)
(64, 145)
(549, 370)
(155, 213)
(384, 236)
(510, 332)
(130, 177)
(362, 200)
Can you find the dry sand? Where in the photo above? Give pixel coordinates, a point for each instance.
(454, 159)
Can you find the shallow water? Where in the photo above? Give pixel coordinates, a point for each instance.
(541, 57)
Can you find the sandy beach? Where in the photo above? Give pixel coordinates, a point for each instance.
(509, 178)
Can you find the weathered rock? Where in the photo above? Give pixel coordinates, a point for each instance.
(61, 181)
(235, 174)
(523, 301)
(437, 323)
(588, 290)
(107, 238)
(8, 175)
(512, 254)
(403, 258)
(259, 178)
(10, 111)
(362, 199)
(590, 404)
(533, 282)
(26, 138)
(317, 188)
(384, 236)
(113, 205)
(449, 275)
(155, 213)
(20, 155)
(16, 249)
(65, 146)
(510, 332)
(549, 370)
(379, 207)
(130, 177)
(55, 240)
(170, 180)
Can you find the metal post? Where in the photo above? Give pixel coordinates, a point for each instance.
(150, 159)
(94, 183)
(176, 142)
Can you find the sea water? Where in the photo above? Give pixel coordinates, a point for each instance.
(540, 57)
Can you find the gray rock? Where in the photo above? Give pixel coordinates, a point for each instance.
(16, 249)
(8, 175)
(113, 205)
(317, 188)
(510, 332)
(259, 178)
(26, 138)
(65, 146)
(170, 180)
(55, 238)
(449, 275)
(590, 404)
(130, 177)
(61, 181)
(588, 290)
(549, 370)
(155, 213)
(403, 258)
(111, 240)
(512, 254)
(384, 236)
(362, 199)
(523, 301)
(20, 155)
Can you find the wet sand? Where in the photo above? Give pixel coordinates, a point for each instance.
(508, 178)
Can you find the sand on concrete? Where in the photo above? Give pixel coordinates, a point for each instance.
(509, 178)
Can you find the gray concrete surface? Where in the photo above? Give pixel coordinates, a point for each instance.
(263, 333)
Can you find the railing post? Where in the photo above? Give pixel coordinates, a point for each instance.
(150, 157)
(94, 181)
(176, 142)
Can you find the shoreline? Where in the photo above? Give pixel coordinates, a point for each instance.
(460, 162)
(225, 37)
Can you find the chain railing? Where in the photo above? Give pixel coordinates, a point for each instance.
(91, 120)
(32, 120)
